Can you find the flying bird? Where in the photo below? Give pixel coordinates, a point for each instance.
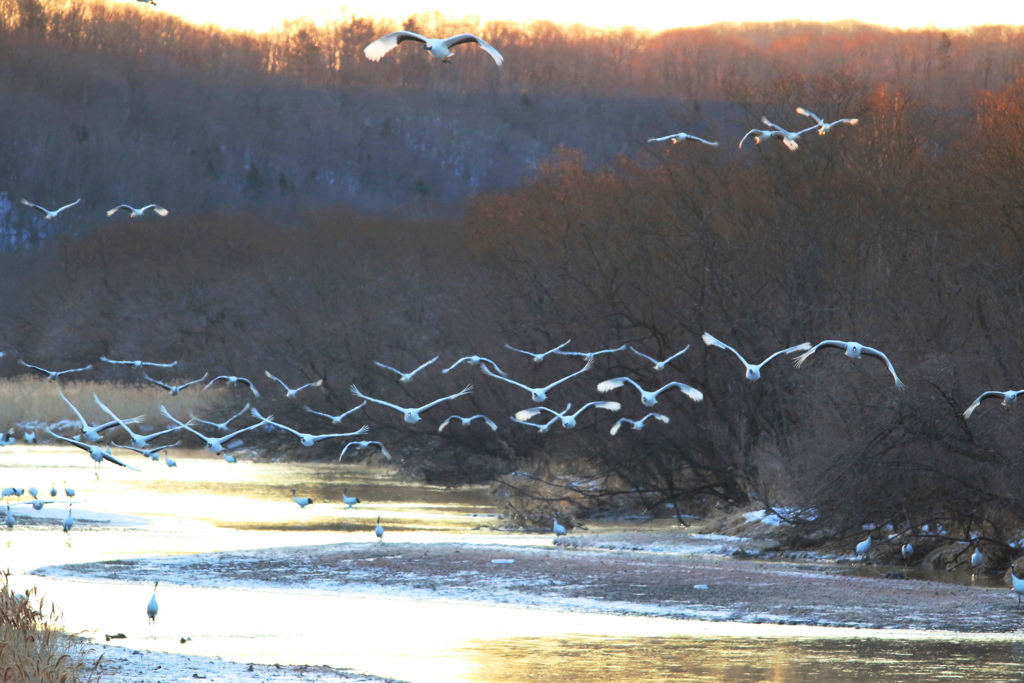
(822, 126)
(679, 137)
(405, 377)
(788, 138)
(853, 350)
(138, 440)
(1009, 399)
(151, 453)
(289, 392)
(753, 371)
(335, 419)
(659, 365)
(133, 212)
(231, 379)
(649, 398)
(475, 360)
(89, 431)
(590, 354)
(138, 363)
(222, 426)
(47, 214)
(467, 420)
(308, 440)
(439, 47)
(539, 394)
(95, 452)
(215, 445)
(637, 424)
(365, 444)
(539, 357)
(52, 375)
(175, 389)
(412, 415)
(568, 419)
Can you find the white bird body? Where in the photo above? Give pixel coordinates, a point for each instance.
(822, 126)
(907, 551)
(365, 444)
(439, 47)
(289, 392)
(132, 211)
(412, 415)
(753, 371)
(69, 521)
(232, 379)
(151, 453)
(222, 426)
(10, 520)
(175, 389)
(138, 440)
(466, 421)
(649, 398)
(68, 491)
(301, 501)
(215, 445)
(637, 424)
(405, 377)
(679, 137)
(539, 394)
(152, 608)
(308, 440)
(53, 375)
(559, 529)
(379, 530)
(853, 350)
(88, 431)
(568, 419)
(542, 428)
(347, 499)
(539, 357)
(1009, 399)
(47, 214)
(977, 559)
(788, 138)
(95, 452)
(169, 462)
(138, 363)
(1018, 584)
(53, 490)
(659, 365)
(475, 360)
(335, 419)
(587, 355)
(864, 546)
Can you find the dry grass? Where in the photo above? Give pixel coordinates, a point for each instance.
(28, 399)
(33, 649)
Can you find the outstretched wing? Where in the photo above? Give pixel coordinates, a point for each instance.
(117, 208)
(878, 354)
(470, 38)
(380, 47)
(977, 401)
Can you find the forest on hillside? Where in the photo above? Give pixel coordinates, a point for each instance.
(556, 222)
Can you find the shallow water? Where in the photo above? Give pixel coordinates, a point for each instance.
(207, 505)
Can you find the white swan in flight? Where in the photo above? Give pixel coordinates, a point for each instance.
(568, 419)
(47, 214)
(659, 365)
(649, 398)
(138, 363)
(439, 47)
(1009, 398)
(474, 360)
(412, 415)
(135, 213)
(679, 137)
(822, 126)
(289, 392)
(95, 452)
(788, 138)
(222, 426)
(89, 431)
(587, 355)
(53, 375)
(215, 445)
(539, 394)
(151, 453)
(231, 379)
(853, 350)
(335, 419)
(405, 377)
(539, 357)
(365, 444)
(753, 371)
(175, 389)
(543, 427)
(138, 440)
(466, 421)
(637, 424)
(308, 440)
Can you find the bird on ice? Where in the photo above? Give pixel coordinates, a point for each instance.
(152, 608)
(659, 365)
(568, 419)
(175, 389)
(138, 363)
(231, 379)
(347, 499)
(95, 452)
(679, 137)
(365, 444)
(53, 375)
(69, 521)
(649, 398)
(335, 419)
(822, 126)
(559, 529)
(301, 501)
(1009, 398)
(853, 350)
(379, 530)
(439, 47)
(753, 371)
(405, 377)
(135, 213)
(289, 392)
(636, 424)
(539, 357)
(539, 394)
(47, 214)
(467, 420)
(412, 415)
